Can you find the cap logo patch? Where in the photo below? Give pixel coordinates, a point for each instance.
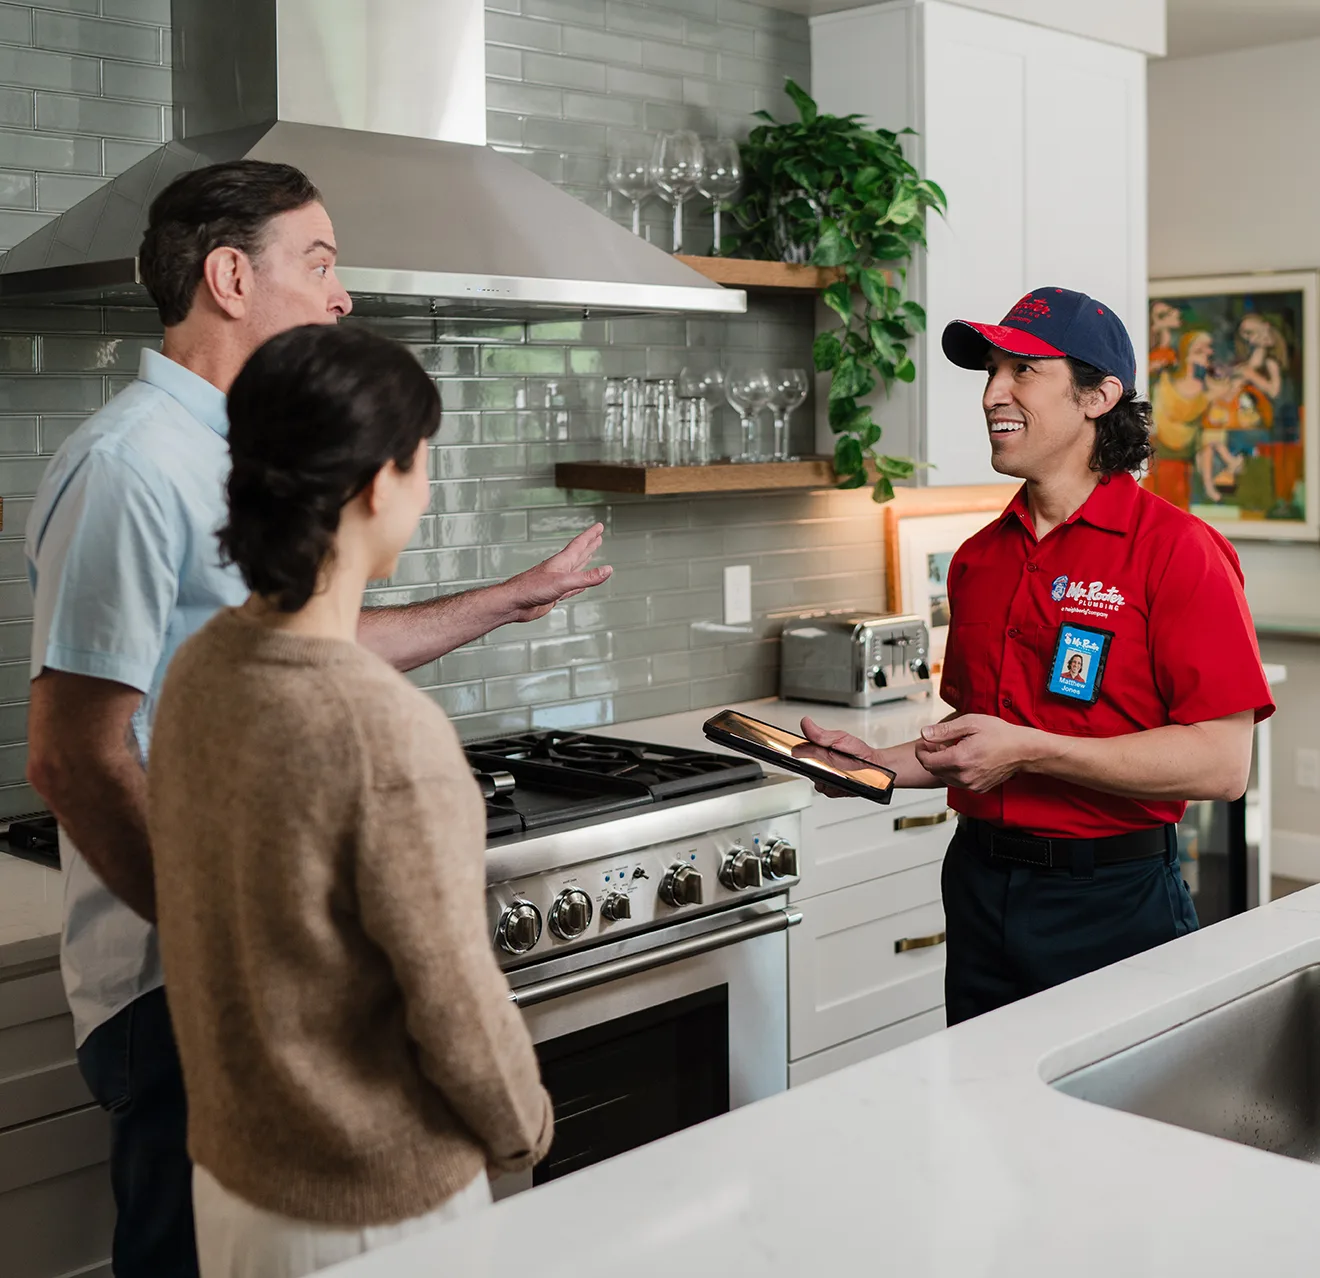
(1028, 309)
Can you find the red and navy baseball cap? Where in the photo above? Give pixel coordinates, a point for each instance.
(1049, 323)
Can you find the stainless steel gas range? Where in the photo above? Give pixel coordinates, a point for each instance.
(637, 899)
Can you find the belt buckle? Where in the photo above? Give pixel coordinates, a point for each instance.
(1022, 849)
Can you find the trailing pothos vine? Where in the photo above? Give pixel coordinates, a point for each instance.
(830, 191)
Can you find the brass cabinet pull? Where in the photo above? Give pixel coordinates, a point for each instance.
(918, 942)
(913, 823)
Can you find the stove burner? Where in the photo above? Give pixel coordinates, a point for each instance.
(571, 776)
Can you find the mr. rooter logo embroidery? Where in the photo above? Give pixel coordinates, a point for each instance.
(1028, 309)
(1091, 595)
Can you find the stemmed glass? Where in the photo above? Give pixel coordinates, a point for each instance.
(749, 390)
(789, 391)
(630, 176)
(720, 177)
(676, 169)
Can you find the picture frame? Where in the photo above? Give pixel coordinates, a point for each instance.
(1234, 362)
(923, 528)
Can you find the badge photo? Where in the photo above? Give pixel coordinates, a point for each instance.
(1079, 663)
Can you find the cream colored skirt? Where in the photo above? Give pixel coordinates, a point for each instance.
(237, 1240)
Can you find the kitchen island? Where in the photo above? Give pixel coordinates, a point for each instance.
(950, 1156)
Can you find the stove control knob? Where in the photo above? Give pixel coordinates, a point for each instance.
(741, 869)
(681, 886)
(780, 860)
(570, 915)
(519, 927)
(616, 907)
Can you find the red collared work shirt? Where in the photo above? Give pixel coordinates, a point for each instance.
(1165, 584)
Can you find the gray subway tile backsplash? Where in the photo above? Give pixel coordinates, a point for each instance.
(97, 36)
(568, 79)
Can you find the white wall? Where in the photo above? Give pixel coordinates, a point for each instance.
(1235, 186)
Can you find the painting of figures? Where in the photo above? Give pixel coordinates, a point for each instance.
(1232, 380)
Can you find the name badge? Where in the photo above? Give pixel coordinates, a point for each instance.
(1079, 663)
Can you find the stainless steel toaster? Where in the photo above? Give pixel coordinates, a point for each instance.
(853, 658)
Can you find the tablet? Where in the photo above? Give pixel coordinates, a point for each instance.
(788, 750)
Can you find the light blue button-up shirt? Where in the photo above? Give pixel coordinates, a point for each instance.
(124, 565)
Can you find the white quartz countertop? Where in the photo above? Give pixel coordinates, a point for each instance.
(951, 1156)
(31, 906)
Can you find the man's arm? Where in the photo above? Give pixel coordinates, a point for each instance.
(82, 763)
(413, 634)
(1210, 760)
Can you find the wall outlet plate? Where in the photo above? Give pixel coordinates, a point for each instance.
(1308, 769)
(738, 595)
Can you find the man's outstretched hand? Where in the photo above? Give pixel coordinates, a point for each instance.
(534, 593)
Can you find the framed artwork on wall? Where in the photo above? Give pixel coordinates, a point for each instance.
(923, 528)
(1233, 369)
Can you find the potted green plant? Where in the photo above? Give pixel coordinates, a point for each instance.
(826, 189)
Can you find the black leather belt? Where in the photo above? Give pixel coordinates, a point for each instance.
(1021, 848)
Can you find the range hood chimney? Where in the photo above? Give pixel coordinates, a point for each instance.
(382, 104)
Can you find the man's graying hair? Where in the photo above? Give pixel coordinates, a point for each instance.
(220, 206)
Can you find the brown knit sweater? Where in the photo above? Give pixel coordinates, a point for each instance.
(349, 1051)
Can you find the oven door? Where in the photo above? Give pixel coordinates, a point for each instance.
(657, 1032)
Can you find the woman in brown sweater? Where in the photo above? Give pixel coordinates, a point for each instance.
(353, 1065)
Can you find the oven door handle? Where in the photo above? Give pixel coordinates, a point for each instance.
(630, 965)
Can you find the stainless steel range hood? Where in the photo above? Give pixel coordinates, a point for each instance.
(382, 104)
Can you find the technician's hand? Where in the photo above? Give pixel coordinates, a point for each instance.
(825, 740)
(975, 752)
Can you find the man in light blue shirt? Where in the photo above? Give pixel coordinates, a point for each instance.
(124, 567)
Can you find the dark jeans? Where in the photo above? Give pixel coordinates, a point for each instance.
(1013, 930)
(132, 1069)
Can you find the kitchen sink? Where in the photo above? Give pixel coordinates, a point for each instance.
(1247, 1071)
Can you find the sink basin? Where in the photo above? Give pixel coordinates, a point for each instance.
(1248, 1071)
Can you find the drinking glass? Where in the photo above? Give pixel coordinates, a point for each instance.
(694, 430)
(789, 391)
(721, 173)
(749, 391)
(676, 167)
(630, 176)
(663, 445)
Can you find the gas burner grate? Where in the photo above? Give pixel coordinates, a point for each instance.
(665, 771)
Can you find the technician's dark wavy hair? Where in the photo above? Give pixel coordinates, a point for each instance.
(1122, 435)
(313, 416)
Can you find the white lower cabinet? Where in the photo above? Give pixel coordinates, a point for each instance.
(862, 1049)
(864, 958)
(57, 1212)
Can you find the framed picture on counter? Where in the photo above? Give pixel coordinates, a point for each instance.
(923, 528)
(1233, 364)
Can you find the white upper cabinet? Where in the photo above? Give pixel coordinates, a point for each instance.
(1038, 139)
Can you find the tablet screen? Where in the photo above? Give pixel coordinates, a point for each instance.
(790, 746)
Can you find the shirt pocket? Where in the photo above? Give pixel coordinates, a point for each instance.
(1051, 711)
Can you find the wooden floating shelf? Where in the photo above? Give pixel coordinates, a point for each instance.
(718, 477)
(780, 277)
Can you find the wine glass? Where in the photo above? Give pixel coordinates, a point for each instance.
(630, 176)
(721, 174)
(676, 169)
(789, 391)
(703, 383)
(749, 390)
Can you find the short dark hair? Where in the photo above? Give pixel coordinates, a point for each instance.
(1122, 435)
(313, 416)
(220, 206)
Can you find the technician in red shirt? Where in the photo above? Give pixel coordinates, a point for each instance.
(1068, 790)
